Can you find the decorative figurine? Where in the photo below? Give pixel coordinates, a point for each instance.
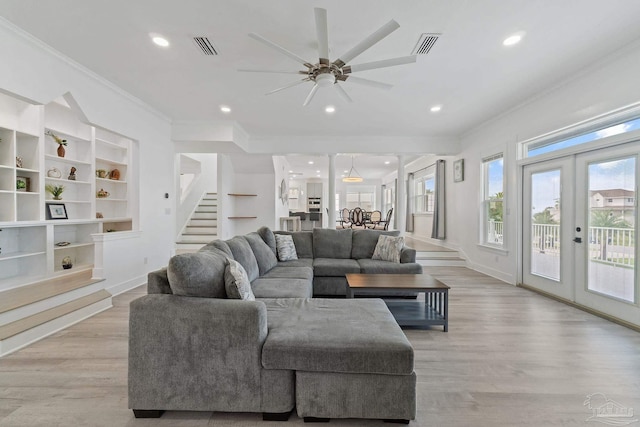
(72, 174)
(19, 162)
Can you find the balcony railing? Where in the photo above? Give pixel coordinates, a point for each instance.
(606, 244)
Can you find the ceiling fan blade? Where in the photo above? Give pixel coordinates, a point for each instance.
(365, 44)
(343, 94)
(379, 64)
(314, 89)
(244, 70)
(367, 82)
(280, 49)
(322, 34)
(288, 86)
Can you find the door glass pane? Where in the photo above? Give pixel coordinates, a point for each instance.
(545, 224)
(612, 213)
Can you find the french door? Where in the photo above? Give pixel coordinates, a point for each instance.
(579, 228)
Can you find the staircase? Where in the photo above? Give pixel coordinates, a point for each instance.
(440, 258)
(202, 228)
(33, 311)
(430, 255)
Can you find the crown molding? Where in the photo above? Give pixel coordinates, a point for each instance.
(36, 42)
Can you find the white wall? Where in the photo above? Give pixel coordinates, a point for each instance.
(603, 87)
(281, 171)
(39, 74)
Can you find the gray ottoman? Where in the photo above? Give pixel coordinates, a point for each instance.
(351, 358)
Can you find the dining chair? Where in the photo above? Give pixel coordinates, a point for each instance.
(374, 219)
(357, 217)
(345, 218)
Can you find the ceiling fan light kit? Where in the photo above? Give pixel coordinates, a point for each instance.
(325, 73)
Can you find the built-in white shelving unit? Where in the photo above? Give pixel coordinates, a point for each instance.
(32, 244)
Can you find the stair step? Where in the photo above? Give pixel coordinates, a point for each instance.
(197, 238)
(204, 215)
(432, 255)
(201, 209)
(441, 262)
(188, 248)
(203, 222)
(22, 325)
(41, 290)
(189, 230)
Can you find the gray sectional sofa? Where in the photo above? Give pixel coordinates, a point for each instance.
(191, 348)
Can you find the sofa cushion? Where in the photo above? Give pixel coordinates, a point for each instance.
(242, 253)
(264, 257)
(333, 335)
(199, 274)
(329, 243)
(303, 241)
(300, 262)
(334, 267)
(268, 237)
(217, 246)
(236, 281)
(374, 266)
(290, 273)
(285, 248)
(388, 248)
(282, 288)
(365, 241)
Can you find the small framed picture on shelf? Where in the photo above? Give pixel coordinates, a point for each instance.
(56, 211)
(458, 170)
(23, 183)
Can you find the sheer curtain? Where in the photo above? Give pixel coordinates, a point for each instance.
(410, 202)
(437, 232)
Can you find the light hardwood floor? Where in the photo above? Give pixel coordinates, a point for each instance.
(511, 358)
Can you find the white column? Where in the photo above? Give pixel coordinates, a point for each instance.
(401, 196)
(331, 220)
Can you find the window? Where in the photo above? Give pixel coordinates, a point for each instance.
(424, 191)
(493, 200)
(388, 197)
(362, 196)
(546, 146)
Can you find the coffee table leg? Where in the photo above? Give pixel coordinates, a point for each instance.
(445, 310)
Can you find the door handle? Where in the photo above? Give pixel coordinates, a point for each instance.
(578, 239)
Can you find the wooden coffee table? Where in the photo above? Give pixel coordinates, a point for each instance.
(434, 310)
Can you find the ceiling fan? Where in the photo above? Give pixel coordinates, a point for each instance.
(325, 73)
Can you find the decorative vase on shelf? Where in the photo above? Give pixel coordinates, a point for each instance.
(67, 262)
(61, 150)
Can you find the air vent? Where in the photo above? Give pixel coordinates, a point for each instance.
(205, 45)
(425, 43)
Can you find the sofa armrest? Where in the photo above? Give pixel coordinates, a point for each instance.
(407, 254)
(158, 282)
(201, 354)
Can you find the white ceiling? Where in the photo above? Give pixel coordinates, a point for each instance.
(468, 71)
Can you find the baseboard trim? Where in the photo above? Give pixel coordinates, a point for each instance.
(127, 286)
(589, 310)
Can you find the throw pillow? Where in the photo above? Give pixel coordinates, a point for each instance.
(285, 247)
(388, 248)
(236, 281)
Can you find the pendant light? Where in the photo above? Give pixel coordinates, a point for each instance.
(353, 176)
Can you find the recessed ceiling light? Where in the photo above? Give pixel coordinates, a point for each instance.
(290, 171)
(436, 108)
(225, 109)
(387, 162)
(330, 109)
(318, 175)
(317, 171)
(513, 39)
(159, 40)
(310, 162)
(346, 171)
